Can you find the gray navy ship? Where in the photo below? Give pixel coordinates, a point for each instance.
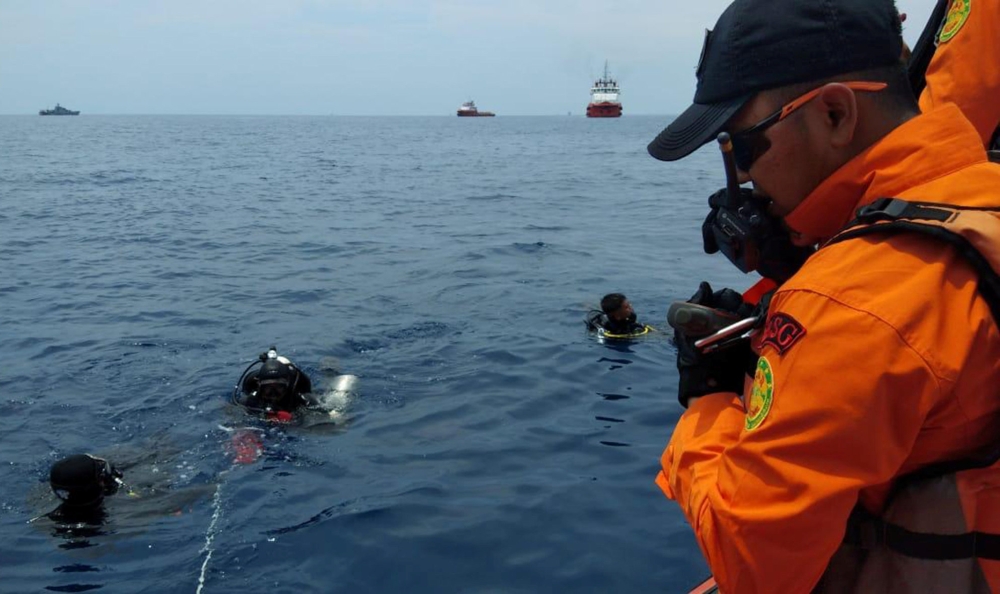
(58, 110)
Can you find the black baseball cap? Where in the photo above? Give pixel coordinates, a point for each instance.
(766, 44)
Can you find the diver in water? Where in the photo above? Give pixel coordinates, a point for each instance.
(81, 482)
(616, 317)
(279, 389)
(95, 502)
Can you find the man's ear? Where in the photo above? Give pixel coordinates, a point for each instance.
(840, 106)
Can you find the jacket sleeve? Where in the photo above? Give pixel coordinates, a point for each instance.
(965, 69)
(769, 505)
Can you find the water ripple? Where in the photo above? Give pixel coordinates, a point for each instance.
(447, 263)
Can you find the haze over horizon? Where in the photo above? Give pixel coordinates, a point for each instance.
(353, 57)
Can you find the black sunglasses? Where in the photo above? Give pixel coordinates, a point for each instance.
(750, 144)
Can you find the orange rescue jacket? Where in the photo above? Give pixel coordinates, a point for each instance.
(965, 68)
(879, 357)
(938, 531)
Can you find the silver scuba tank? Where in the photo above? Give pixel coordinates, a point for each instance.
(336, 397)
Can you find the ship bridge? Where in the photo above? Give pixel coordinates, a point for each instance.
(604, 91)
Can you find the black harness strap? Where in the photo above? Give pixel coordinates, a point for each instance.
(891, 209)
(871, 533)
(942, 546)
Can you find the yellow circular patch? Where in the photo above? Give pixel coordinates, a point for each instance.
(958, 13)
(761, 394)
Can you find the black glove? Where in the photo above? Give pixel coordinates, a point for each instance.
(722, 370)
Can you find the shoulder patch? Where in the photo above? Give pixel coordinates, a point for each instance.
(761, 394)
(957, 14)
(782, 331)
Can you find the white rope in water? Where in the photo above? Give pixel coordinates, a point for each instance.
(216, 514)
(210, 533)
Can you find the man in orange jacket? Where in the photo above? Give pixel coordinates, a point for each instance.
(878, 358)
(964, 68)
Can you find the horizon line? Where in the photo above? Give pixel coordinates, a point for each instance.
(338, 115)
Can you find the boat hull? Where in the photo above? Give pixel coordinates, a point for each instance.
(477, 114)
(604, 110)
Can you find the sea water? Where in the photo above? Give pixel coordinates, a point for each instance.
(491, 445)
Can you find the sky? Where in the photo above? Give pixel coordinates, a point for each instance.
(354, 57)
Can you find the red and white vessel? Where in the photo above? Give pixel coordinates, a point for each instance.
(604, 98)
(469, 110)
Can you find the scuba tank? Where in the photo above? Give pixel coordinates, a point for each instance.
(334, 399)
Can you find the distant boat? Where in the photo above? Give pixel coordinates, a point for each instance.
(468, 110)
(58, 110)
(604, 97)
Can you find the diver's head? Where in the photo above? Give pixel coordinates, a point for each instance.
(275, 381)
(617, 307)
(83, 480)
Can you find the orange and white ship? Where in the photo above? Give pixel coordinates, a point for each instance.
(604, 101)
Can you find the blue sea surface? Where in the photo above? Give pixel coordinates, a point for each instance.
(493, 444)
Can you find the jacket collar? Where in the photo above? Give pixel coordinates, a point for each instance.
(922, 149)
